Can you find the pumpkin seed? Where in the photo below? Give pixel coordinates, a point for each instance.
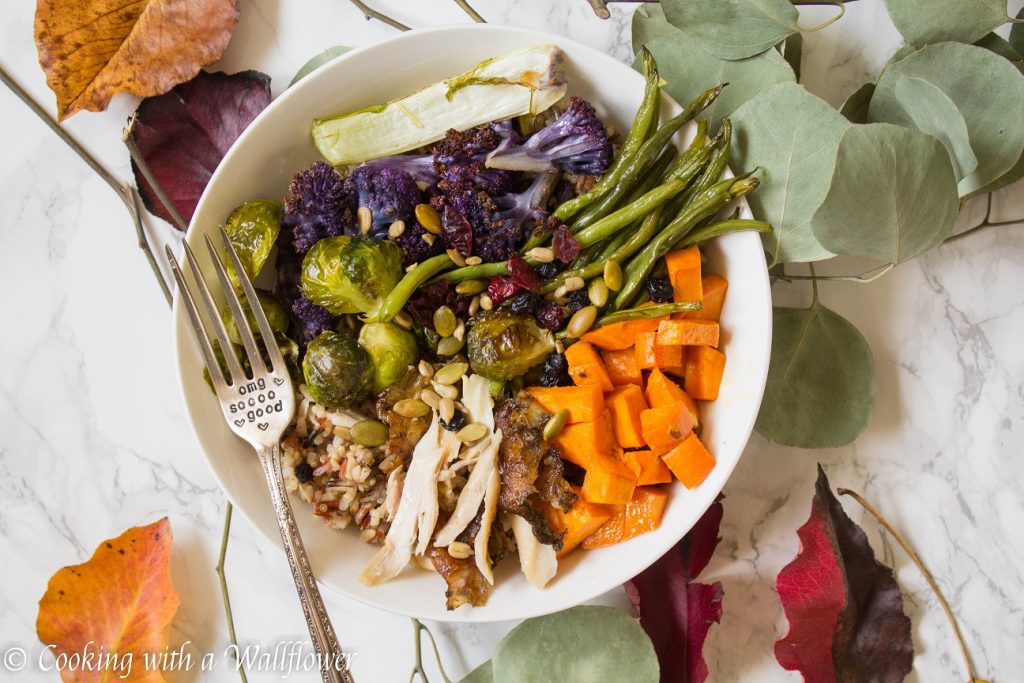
(541, 254)
(581, 321)
(444, 321)
(456, 257)
(474, 431)
(460, 550)
(451, 373)
(411, 407)
(613, 275)
(428, 218)
(449, 346)
(555, 424)
(470, 287)
(370, 433)
(598, 292)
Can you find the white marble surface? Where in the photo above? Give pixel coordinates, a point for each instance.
(93, 435)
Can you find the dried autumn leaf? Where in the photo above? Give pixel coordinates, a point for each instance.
(845, 610)
(676, 612)
(93, 49)
(184, 134)
(120, 601)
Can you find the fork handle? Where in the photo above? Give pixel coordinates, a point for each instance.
(333, 667)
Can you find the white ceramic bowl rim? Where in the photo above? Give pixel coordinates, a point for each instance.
(611, 566)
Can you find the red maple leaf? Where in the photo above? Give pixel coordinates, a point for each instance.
(845, 610)
(675, 612)
(184, 134)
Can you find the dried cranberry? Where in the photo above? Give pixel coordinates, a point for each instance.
(523, 275)
(431, 297)
(550, 316)
(456, 231)
(304, 472)
(523, 302)
(578, 299)
(500, 288)
(564, 245)
(659, 288)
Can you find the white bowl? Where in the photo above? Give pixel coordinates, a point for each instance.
(278, 144)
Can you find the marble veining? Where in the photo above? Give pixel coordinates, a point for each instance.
(94, 435)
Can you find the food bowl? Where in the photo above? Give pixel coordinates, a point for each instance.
(261, 163)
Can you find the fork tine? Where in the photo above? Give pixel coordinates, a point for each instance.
(202, 337)
(234, 366)
(241, 320)
(266, 332)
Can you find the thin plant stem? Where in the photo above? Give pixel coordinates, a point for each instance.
(371, 13)
(468, 9)
(831, 20)
(140, 162)
(924, 571)
(126, 193)
(814, 284)
(863, 278)
(224, 537)
(986, 222)
(417, 670)
(600, 8)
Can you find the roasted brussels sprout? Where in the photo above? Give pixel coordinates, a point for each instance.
(337, 370)
(252, 229)
(502, 345)
(392, 350)
(276, 314)
(350, 274)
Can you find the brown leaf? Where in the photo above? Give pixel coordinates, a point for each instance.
(120, 602)
(93, 49)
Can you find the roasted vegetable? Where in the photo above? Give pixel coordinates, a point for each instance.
(503, 345)
(337, 370)
(252, 229)
(317, 206)
(392, 350)
(390, 194)
(403, 431)
(350, 274)
(277, 316)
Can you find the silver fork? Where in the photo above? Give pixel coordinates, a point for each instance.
(259, 409)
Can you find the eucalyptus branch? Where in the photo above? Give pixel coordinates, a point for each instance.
(126, 193)
(224, 537)
(600, 8)
(417, 670)
(371, 13)
(147, 173)
(865, 277)
(473, 14)
(986, 222)
(924, 571)
(831, 20)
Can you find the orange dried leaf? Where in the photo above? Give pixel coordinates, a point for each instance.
(91, 50)
(120, 601)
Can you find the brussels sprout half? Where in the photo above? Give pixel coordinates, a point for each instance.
(252, 229)
(337, 370)
(275, 311)
(350, 274)
(502, 345)
(392, 350)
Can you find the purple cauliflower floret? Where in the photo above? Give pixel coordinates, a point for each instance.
(467, 217)
(310, 320)
(419, 166)
(317, 206)
(414, 248)
(390, 194)
(577, 141)
(459, 158)
(516, 214)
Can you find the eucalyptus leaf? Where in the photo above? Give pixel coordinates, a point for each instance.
(586, 643)
(892, 194)
(793, 52)
(734, 29)
(855, 109)
(924, 22)
(482, 674)
(689, 70)
(821, 390)
(318, 61)
(934, 113)
(902, 53)
(791, 136)
(1017, 33)
(987, 90)
(994, 42)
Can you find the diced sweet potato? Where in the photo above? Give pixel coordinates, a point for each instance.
(622, 367)
(625, 405)
(581, 441)
(684, 274)
(662, 390)
(641, 514)
(690, 461)
(584, 403)
(688, 333)
(715, 288)
(666, 426)
(608, 480)
(586, 367)
(648, 468)
(619, 336)
(704, 369)
(582, 519)
(644, 350)
(671, 359)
